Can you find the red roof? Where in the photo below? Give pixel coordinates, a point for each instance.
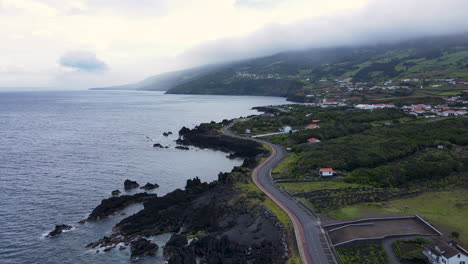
(315, 121)
(417, 109)
(312, 126)
(327, 170)
(449, 111)
(313, 140)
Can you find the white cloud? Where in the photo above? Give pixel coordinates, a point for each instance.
(83, 61)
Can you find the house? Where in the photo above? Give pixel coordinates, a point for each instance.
(381, 106)
(313, 140)
(443, 252)
(448, 113)
(315, 121)
(248, 131)
(423, 106)
(364, 107)
(286, 129)
(312, 126)
(324, 172)
(418, 110)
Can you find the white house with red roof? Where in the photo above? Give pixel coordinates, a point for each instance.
(449, 113)
(326, 172)
(312, 126)
(313, 140)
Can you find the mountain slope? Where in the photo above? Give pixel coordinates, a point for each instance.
(298, 72)
(165, 81)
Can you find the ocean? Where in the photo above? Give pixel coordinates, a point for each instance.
(62, 152)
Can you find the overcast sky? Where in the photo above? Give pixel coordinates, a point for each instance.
(72, 44)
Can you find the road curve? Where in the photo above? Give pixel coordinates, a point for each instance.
(311, 242)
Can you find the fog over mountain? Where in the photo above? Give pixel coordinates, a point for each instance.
(127, 41)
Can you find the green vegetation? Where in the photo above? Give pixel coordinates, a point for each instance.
(370, 253)
(297, 74)
(410, 250)
(301, 187)
(390, 162)
(446, 210)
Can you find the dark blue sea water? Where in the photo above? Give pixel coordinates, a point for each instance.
(61, 153)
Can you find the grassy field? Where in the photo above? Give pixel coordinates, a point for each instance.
(286, 164)
(446, 210)
(301, 187)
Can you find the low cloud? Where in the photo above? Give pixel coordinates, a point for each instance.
(257, 3)
(380, 21)
(82, 61)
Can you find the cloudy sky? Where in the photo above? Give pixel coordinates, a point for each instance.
(72, 44)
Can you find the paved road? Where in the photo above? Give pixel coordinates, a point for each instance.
(310, 239)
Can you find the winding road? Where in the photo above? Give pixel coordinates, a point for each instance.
(311, 240)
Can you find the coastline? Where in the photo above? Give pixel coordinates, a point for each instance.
(210, 214)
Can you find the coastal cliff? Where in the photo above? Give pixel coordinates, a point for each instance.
(214, 222)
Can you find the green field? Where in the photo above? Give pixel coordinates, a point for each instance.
(446, 210)
(301, 187)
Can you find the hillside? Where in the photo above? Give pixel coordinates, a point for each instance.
(297, 73)
(165, 81)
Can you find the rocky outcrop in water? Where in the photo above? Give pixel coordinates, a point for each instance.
(114, 204)
(182, 147)
(209, 136)
(59, 229)
(115, 193)
(149, 186)
(225, 225)
(166, 134)
(128, 184)
(142, 247)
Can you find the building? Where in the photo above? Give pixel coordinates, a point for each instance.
(248, 131)
(312, 126)
(364, 107)
(441, 252)
(286, 129)
(313, 140)
(448, 113)
(326, 172)
(373, 106)
(315, 121)
(418, 110)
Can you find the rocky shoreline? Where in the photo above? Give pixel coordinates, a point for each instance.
(211, 222)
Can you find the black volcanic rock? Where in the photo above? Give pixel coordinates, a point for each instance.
(207, 135)
(58, 230)
(167, 133)
(115, 192)
(150, 186)
(182, 147)
(173, 246)
(114, 204)
(142, 247)
(128, 184)
(157, 145)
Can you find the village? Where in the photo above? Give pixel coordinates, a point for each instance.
(311, 175)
